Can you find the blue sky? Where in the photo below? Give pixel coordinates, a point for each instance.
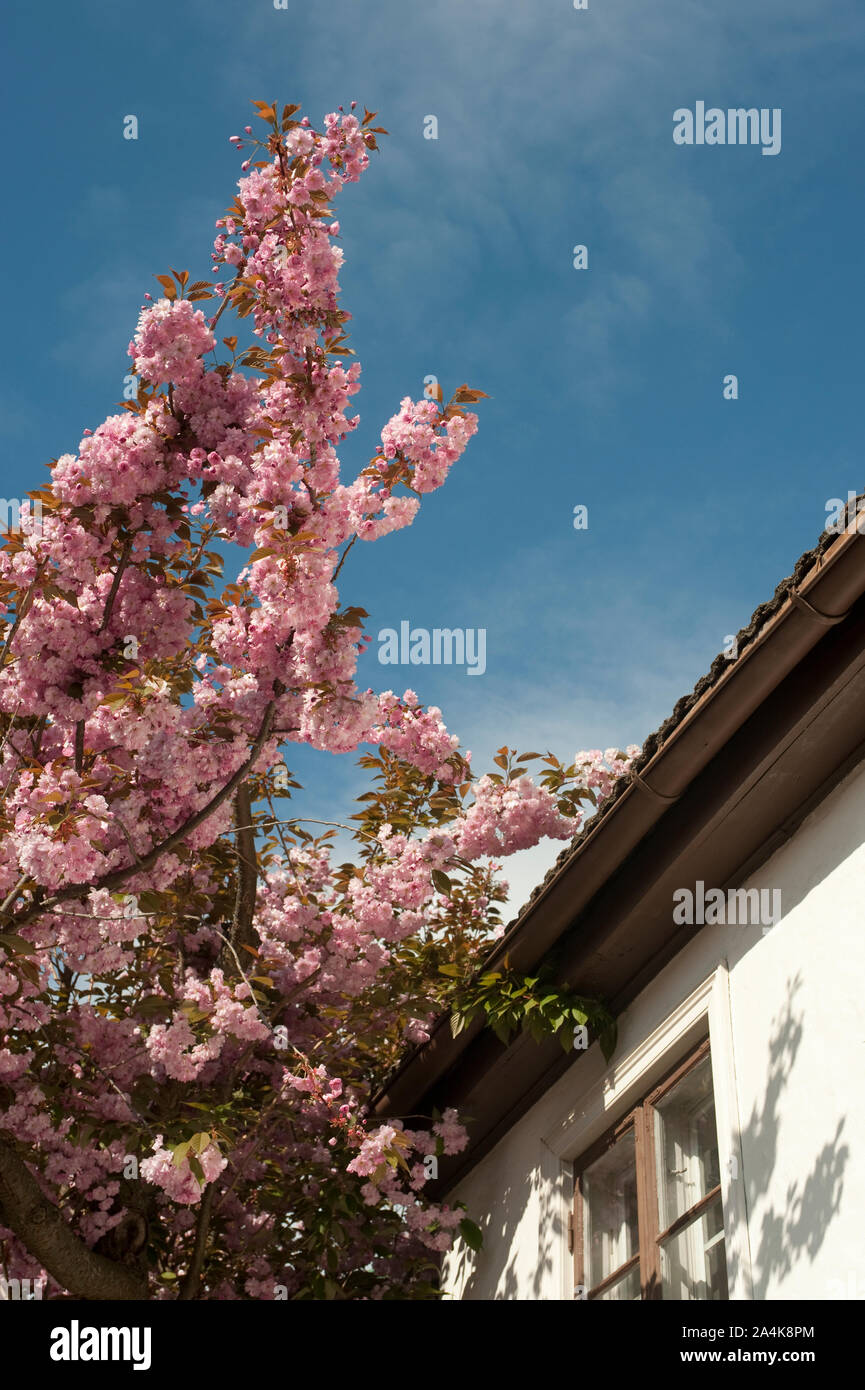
(554, 129)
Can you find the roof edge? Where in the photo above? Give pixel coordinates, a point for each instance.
(818, 595)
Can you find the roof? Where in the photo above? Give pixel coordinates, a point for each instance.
(683, 706)
(713, 792)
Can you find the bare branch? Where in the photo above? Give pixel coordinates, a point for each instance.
(342, 558)
(79, 746)
(192, 1280)
(242, 931)
(41, 1228)
(14, 893)
(115, 584)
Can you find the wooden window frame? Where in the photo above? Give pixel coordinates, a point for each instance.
(640, 1119)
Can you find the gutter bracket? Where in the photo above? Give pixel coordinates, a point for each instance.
(659, 796)
(825, 619)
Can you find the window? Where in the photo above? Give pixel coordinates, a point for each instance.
(648, 1221)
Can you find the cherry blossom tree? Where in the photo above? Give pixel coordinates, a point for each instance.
(196, 1000)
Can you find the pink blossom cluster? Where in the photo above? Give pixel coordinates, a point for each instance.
(600, 771)
(170, 342)
(177, 1180)
(418, 735)
(506, 817)
(431, 445)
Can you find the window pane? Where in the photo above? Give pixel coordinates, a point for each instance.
(610, 1211)
(693, 1264)
(628, 1287)
(686, 1144)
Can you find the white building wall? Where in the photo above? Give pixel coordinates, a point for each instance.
(786, 1015)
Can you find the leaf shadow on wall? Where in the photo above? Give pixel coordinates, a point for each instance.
(793, 1223)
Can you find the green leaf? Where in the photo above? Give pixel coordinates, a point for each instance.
(191, 1011)
(608, 1039)
(11, 941)
(154, 1004)
(471, 1234)
(441, 882)
(501, 1030)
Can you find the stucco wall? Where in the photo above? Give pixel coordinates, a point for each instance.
(787, 1020)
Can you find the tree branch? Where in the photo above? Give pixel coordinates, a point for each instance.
(192, 1279)
(342, 559)
(243, 932)
(117, 877)
(40, 1226)
(23, 609)
(79, 747)
(115, 584)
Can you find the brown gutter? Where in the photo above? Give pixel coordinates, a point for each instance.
(819, 601)
(806, 737)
